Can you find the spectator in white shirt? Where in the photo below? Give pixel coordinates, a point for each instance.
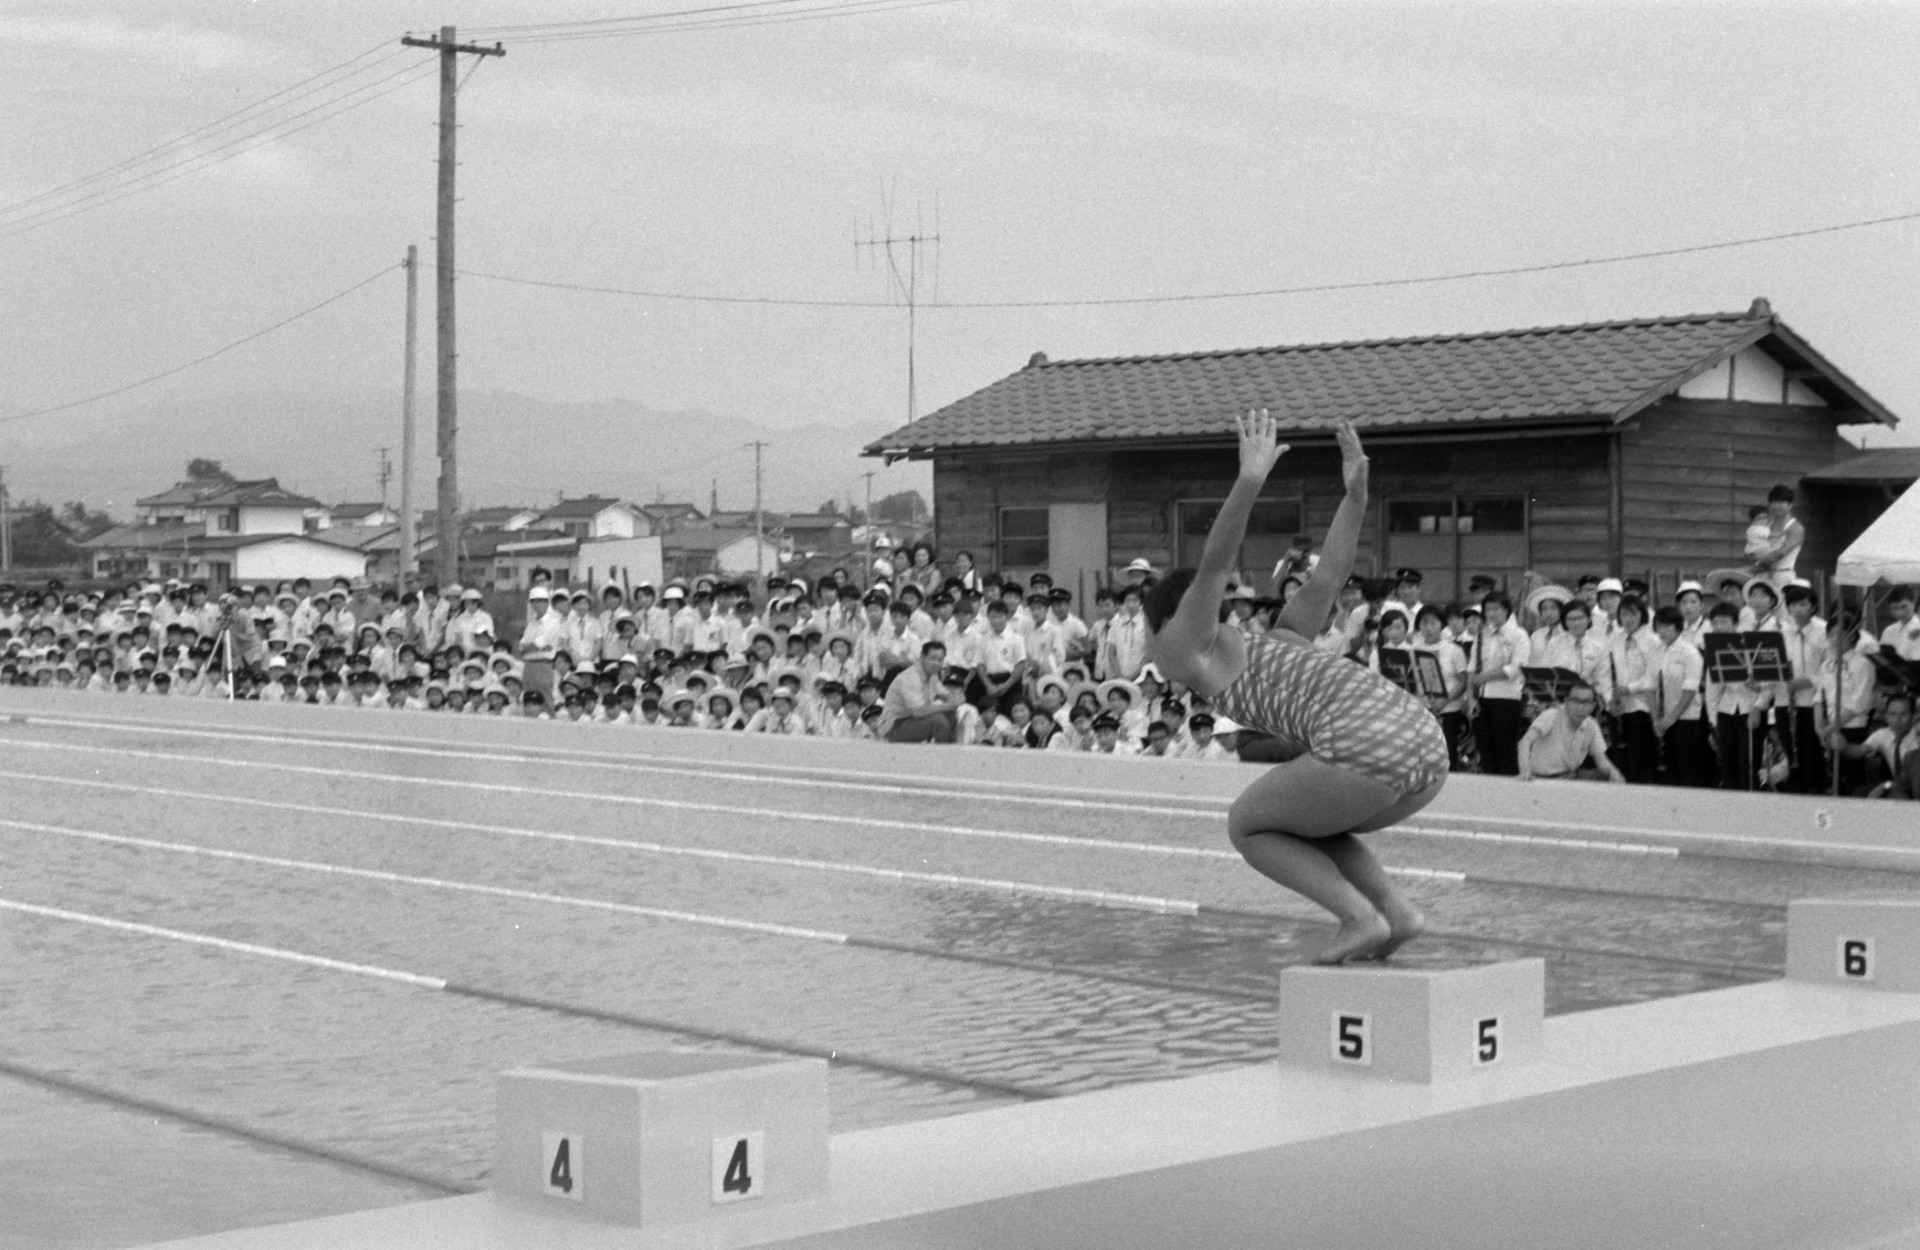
(1126, 646)
(1678, 720)
(1566, 742)
(1499, 653)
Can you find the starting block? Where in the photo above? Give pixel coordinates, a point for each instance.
(1867, 939)
(1401, 1023)
(664, 1137)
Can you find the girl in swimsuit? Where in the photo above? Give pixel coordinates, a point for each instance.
(1365, 753)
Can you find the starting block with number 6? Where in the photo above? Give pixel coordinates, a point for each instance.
(1413, 1023)
(1867, 939)
(664, 1137)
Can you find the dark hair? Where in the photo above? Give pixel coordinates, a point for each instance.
(932, 645)
(1426, 610)
(1498, 599)
(1899, 696)
(1578, 686)
(1577, 605)
(1781, 493)
(1391, 615)
(1668, 616)
(1723, 609)
(1635, 602)
(1164, 599)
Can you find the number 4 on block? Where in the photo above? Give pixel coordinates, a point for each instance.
(739, 1166)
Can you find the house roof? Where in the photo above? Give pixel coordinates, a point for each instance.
(349, 511)
(497, 515)
(744, 520)
(814, 521)
(1881, 465)
(661, 511)
(138, 537)
(360, 537)
(232, 542)
(1598, 372)
(580, 509)
(708, 539)
(263, 492)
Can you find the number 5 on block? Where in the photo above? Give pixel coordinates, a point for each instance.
(739, 1166)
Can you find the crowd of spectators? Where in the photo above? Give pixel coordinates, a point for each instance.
(958, 655)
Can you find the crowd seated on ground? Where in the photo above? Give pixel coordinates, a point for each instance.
(957, 655)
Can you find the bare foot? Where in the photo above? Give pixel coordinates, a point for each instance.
(1406, 923)
(1356, 939)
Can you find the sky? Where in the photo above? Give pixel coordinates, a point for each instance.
(1077, 152)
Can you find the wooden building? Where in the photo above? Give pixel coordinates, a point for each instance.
(1614, 447)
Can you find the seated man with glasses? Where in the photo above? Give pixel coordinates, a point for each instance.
(1566, 742)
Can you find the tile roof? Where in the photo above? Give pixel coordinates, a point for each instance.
(139, 536)
(1882, 464)
(264, 492)
(584, 508)
(1601, 372)
(707, 539)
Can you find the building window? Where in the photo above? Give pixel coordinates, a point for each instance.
(1023, 538)
(1271, 529)
(1451, 539)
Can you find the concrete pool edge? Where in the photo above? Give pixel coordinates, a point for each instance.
(1763, 1115)
(1809, 829)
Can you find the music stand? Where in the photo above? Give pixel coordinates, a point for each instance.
(1549, 686)
(1735, 659)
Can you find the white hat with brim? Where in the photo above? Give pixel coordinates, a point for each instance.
(1540, 594)
(1140, 565)
(1120, 684)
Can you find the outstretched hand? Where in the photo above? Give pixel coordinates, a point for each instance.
(1353, 461)
(1259, 450)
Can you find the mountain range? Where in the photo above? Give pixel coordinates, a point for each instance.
(513, 449)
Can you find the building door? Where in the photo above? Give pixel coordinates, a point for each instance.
(1272, 527)
(1449, 539)
(1077, 548)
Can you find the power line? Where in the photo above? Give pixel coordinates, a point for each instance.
(194, 162)
(201, 360)
(664, 15)
(847, 8)
(1204, 296)
(218, 124)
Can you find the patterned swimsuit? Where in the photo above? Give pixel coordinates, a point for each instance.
(1341, 712)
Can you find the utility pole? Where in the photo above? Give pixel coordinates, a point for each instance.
(407, 536)
(907, 286)
(386, 472)
(759, 525)
(869, 515)
(447, 529)
(6, 526)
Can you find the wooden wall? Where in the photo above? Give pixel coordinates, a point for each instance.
(1691, 469)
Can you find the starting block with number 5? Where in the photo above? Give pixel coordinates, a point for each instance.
(1413, 1023)
(1868, 939)
(664, 1137)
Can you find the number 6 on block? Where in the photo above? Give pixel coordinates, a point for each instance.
(739, 1166)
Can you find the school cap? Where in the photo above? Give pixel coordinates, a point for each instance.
(1140, 565)
(1412, 576)
(539, 592)
(1610, 584)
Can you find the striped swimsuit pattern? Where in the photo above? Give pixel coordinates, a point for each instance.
(1340, 712)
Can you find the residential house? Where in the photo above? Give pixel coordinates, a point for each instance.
(1622, 446)
(723, 552)
(595, 517)
(222, 531)
(363, 514)
(668, 517)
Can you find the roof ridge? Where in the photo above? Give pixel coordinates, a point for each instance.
(1402, 340)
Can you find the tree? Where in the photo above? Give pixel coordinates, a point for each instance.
(41, 539)
(903, 507)
(200, 469)
(84, 523)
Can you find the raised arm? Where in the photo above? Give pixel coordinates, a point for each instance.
(1192, 626)
(1306, 613)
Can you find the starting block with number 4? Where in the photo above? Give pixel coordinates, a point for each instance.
(1413, 1023)
(664, 1137)
(1871, 940)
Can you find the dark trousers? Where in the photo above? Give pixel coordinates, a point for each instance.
(1496, 731)
(1736, 743)
(1806, 753)
(1684, 752)
(1454, 726)
(1637, 754)
(1853, 773)
(934, 727)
